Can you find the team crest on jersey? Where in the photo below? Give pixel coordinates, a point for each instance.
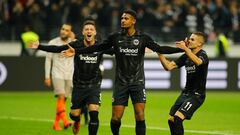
(136, 42)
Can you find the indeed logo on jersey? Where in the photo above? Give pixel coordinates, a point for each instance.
(191, 69)
(88, 59)
(128, 51)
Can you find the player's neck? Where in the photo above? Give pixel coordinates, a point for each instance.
(196, 50)
(88, 43)
(131, 31)
(64, 40)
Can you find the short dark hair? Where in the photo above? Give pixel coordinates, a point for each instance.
(69, 24)
(91, 22)
(201, 34)
(131, 12)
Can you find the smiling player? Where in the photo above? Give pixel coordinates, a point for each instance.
(87, 77)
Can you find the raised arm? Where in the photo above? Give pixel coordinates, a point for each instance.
(196, 60)
(167, 65)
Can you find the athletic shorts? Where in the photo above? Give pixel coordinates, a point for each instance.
(62, 86)
(121, 94)
(85, 96)
(187, 104)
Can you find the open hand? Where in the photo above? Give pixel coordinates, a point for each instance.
(69, 52)
(34, 45)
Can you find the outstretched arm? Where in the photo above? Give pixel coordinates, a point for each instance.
(189, 53)
(168, 65)
(50, 48)
(162, 49)
(107, 44)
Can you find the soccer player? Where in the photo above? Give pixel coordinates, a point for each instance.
(193, 95)
(129, 48)
(87, 77)
(59, 71)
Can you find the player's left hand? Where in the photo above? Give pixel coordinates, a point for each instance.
(34, 44)
(69, 52)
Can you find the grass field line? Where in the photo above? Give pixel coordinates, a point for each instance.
(126, 126)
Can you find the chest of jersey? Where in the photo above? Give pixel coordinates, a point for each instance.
(190, 67)
(89, 58)
(128, 46)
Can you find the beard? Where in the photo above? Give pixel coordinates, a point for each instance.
(64, 38)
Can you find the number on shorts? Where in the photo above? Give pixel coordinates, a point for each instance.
(188, 106)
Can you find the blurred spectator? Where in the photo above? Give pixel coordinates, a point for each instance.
(221, 17)
(171, 19)
(55, 18)
(27, 37)
(36, 18)
(4, 20)
(74, 14)
(235, 18)
(18, 19)
(180, 11)
(221, 44)
(167, 19)
(191, 20)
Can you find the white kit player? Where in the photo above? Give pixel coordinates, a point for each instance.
(59, 72)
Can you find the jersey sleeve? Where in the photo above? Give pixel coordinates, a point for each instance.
(107, 44)
(160, 49)
(181, 61)
(203, 56)
(54, 48)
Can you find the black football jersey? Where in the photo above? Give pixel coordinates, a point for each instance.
(196, 75)
(129, 54)
(86, 66)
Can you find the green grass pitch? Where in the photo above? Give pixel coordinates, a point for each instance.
(32, 113)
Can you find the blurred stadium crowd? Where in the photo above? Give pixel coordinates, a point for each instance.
(166, 20)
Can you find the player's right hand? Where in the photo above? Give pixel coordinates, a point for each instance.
(34, 45)
(70, 52)
(48, 82)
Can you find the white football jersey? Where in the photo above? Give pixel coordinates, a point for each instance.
(59, 66)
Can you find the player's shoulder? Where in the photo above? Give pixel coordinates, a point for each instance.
(143, 34)
(55, 40)
(202, 52)
(77, 43)
(114, 35)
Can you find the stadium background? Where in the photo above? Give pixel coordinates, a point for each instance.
(27, 103)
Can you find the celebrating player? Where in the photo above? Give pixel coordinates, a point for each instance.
(86, 78)
(129, 49)
(192, 96)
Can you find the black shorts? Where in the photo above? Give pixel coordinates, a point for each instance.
(85, 96)
(187, 104)
(121, 94)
